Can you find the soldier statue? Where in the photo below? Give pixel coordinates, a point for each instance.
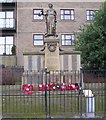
(50, 17)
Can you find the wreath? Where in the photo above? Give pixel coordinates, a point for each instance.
(52, 47)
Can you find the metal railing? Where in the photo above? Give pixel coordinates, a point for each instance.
(57, 101)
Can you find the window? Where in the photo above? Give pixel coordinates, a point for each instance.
(90, 14)
(6, 19)
(6, 44)
(68, 39)
(38, 39)
(67, 14)
(36, 14)
(7, 0)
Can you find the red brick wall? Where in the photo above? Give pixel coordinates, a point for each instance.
(94, 76)
(10, 75)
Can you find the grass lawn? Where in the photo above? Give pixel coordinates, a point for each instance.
(34, 106)
(58, 105)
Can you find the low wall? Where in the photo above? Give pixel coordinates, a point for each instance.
(94, 76)
(11, 76)
(8, 60)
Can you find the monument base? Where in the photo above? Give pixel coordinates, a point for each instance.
(52, 60)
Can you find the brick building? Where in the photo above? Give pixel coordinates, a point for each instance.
(22, 28)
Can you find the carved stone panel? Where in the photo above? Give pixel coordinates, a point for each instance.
(52, 60)
(52, 46)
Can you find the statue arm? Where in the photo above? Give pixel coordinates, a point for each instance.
(41, 13)
(55, 14)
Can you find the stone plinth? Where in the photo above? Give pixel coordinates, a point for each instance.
(52, 61)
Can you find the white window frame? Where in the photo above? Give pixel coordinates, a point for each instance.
(36, 14)
(7, 1)
(6, 43)
(67, 39)
(7, 19)
(38, 39)
(67, 14)
(90, 14)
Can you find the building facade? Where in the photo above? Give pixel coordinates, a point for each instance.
(8, 28)
(26, 30)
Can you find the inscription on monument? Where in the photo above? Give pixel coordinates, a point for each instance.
(52, 61)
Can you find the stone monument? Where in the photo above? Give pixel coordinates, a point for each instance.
(51, 43)
(50, 56)
(52, 61)
(50, 20)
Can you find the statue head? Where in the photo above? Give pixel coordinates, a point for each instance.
(50, 5)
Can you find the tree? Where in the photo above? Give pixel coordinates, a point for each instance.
(92, 41)
(13, 50)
